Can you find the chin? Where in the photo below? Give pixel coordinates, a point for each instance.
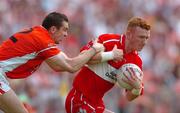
(140, 48)
(56, 42)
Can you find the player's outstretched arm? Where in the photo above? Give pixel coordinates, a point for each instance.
(61, 62)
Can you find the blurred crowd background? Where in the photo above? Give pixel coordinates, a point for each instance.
(46, 90)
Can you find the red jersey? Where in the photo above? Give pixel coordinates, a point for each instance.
(23, 52)
(95, 80)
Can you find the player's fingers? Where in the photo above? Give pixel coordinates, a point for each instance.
(95, 40)
(131, 74)
(115, 47)
(131, 80)
(128, 79)
(141, 74)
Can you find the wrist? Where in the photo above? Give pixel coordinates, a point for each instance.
(138, 91)
(105, 56)
(94, 49)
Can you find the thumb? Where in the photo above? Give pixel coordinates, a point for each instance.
(95, 40)
(115, 47)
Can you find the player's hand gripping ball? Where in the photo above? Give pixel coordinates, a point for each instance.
(129, 76)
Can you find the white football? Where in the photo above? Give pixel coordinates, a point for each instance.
(121, 77)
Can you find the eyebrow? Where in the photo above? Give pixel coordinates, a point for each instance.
(66, 28)
(142, 36)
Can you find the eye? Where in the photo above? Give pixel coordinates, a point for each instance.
(143, 37)
(65, 29)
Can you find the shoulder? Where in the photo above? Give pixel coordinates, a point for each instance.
(110, 40)
(41, 33)
(109, 36)
(42, 37)
(106, 38)
(134, 58)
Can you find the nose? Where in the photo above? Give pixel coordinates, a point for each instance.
(145, 41)
(65, 34)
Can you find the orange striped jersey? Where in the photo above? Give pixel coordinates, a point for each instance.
(23, 52)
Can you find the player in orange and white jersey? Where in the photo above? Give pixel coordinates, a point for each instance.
(98, 77)
(23, 52)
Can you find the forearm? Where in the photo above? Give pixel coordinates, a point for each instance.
(61, 62)
(130, 96)
(95, 59)
(77, 62)
(134, 93)
(101, 57)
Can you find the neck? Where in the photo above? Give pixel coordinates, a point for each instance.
(128, 48)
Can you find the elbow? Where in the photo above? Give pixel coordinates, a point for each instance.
(73, 69)
(69, 69)
(57, 69)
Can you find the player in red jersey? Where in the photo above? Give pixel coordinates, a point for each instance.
(22, 54)
(97, 77)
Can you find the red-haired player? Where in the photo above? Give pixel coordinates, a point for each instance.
(97, 77)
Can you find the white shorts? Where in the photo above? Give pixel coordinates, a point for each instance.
(4, 84)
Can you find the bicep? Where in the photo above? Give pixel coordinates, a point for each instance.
(58, 62)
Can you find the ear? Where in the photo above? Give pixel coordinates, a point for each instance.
(130, 33)
(52, 29)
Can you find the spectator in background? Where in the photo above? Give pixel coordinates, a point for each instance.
(23, 52)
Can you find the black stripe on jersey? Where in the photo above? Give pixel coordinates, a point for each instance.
(27, 31)
(13, 39)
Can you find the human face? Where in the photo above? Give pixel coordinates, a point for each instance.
(61, 33)
(138, 38)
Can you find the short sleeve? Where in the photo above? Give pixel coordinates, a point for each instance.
(89, 44)
(47, 48)
(49, 52)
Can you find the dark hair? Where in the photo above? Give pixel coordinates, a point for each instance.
(138, 22)
(54, 19)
